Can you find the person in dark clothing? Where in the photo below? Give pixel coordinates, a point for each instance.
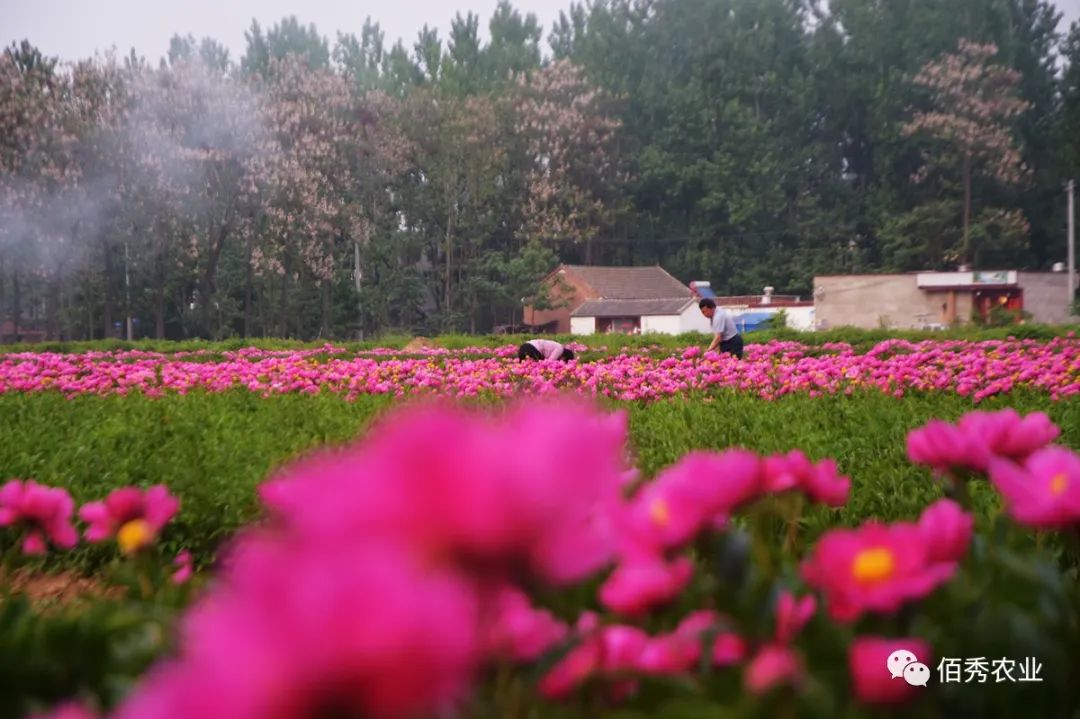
(725, 334)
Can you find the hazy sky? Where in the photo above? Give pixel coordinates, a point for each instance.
(73, 29)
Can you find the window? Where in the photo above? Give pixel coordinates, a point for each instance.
(618, 325)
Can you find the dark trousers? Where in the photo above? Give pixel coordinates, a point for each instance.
(733, 346)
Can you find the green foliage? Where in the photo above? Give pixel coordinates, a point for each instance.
(777, 321)
(91, 652)
(213, 450)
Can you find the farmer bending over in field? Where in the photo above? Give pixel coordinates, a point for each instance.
(723, 326)
(544, 350)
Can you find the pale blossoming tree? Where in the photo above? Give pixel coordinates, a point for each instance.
(974, 101)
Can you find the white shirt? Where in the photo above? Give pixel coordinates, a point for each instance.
(549, 349)
(723, 324)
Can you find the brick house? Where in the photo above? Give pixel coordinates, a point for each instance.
(592, 299)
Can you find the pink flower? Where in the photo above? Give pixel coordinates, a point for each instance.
(644, 581)
(184, 568)
(581, 663)
(873, 568)
(680, 650)
(297, 630)
(821, 482)
(621, 647)
(537, 491)
(1042, 492)
(611, 650)
(978, 437)
(728, 649)
(792, 615)
(41, 512)
(943, 447)
(874, 682)
(1006, 434)
(696, 623)
(772, 666)
(946, 531)
(135, 517)
(519, 631)
(685, 498)
(826, 485)
(669, 655)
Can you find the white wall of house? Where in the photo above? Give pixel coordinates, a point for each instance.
(662, 324)
(800, 318)
(582, 325)
(1046, 296)
(691, 320)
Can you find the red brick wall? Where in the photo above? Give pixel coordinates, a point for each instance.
(574, 292)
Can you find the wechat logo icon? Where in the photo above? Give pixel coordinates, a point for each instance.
(903, 664)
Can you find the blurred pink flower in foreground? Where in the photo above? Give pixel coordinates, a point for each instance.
(184, 568)
(875, 568)
(644, 581)
(1006, 434)
(298, 631)
(978, 437)
(946, 529)
(689, 496)
(868, 662)
(773, 665)
(517, 630)
(792, 615)
(535, 491)
(821, 481)
(134, 516)
(1042, 492)
(43, 513)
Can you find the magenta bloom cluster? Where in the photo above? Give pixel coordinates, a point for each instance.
(42, 515)
(974, 369)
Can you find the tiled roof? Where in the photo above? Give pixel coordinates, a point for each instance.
(632, 308)
(630, 283)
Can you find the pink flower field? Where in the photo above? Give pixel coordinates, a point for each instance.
(972, 369)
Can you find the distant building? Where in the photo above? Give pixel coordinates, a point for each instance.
(752, 312)
(9, 333)
(921, 300)
(629, 300)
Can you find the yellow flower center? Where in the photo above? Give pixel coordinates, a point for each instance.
(659, 513)
(134, 535)
(873, 565)
(1058, 484)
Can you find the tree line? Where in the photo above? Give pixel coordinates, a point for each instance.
(319, 187)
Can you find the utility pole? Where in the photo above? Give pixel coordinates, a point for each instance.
(1072, 248)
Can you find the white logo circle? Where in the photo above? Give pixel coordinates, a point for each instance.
(898, 660)
(917, 674)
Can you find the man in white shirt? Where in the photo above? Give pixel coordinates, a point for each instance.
(544, 350)
(725, 334)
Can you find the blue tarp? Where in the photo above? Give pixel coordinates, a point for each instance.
(750, 321)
